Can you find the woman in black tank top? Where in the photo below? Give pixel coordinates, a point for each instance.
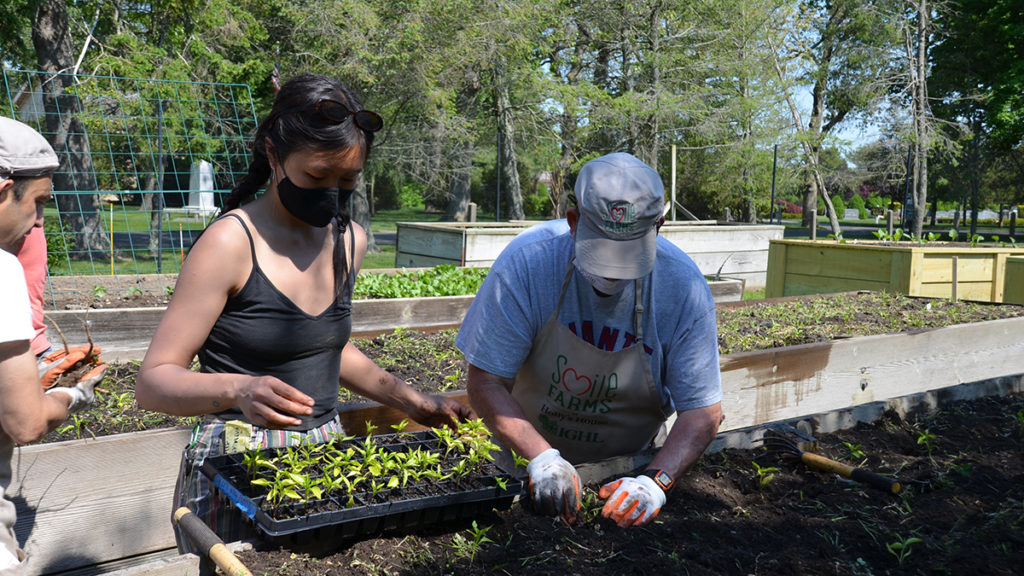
(265, 298)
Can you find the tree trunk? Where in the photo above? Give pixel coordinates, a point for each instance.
(360, 211)
(562, 183)
(509, 169)
(458, 206)
(922, 123)
(51, 38)
(457, 209)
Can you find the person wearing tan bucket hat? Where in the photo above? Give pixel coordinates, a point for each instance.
(27, 163)
(586, 335)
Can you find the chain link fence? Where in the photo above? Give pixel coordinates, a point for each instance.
(144, 165)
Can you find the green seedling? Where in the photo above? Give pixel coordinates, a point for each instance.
(925, 439)
(469, 547)
(902, 547)
(853, 451)
(99, 291)
(765, 474)
(133, 292)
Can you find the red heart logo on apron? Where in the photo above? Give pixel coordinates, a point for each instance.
(618, 213)
(578, 386)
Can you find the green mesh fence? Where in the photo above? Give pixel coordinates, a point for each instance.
(144, 167)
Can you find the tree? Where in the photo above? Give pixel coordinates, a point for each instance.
(839, 48)
(51, 37)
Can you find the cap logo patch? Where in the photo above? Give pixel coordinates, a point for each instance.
(621, 217)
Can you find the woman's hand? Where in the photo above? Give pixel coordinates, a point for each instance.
(268, 402)
(436, 411)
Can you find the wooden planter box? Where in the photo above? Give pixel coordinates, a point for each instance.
(1013, 280)
(734, 250)
(99, 500)
(799, 267)
(124, 333)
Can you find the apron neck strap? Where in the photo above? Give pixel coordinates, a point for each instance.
(638, 303)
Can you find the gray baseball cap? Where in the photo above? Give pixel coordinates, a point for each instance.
(620, 201)
(23, 151)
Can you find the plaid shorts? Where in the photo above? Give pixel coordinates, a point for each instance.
(195, 490)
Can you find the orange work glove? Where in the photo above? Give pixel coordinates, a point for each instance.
(632, 501)
(57, 363)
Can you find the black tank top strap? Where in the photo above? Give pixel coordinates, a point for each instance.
(252, 244)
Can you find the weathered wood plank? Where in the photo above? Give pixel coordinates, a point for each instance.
(788, 382)
(95, 500)
(440, 242)
(1013, 280)
(866, 265)
(803, 284)
(970, 268)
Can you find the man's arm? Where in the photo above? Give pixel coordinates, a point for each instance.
(691, 434)
(26, 413)
(554, 484)
(491, 398)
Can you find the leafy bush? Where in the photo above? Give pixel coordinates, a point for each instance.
(58, 243)
(839, 205)
(791, 208)
(857, 203)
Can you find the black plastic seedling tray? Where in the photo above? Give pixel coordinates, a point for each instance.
(340, 514)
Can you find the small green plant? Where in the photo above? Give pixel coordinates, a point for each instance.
(1018, 419)
(925, 439)
(963, 469)
(99, 291)
(854, 451)
(133, 292)
(976, 239)
(169, 291)
(765, 474)
(469, 547)
(902, 547)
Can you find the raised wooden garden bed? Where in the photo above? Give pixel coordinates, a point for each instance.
(110, 498)
(1013, 280)
(733, 250)
(797, 267)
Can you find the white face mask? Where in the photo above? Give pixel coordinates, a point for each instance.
(602, 285)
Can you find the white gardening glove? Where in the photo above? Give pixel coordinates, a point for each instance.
(632, 501)
(82, 393)
(554, 485)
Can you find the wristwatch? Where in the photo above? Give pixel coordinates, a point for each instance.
(663, 479)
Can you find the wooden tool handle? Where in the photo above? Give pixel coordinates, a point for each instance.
(861, 475)
(208, 542)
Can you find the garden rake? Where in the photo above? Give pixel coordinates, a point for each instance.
(790, 441)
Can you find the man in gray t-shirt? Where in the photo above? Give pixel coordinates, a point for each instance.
(586, 335)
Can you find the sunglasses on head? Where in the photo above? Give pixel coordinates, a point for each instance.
(334, 112)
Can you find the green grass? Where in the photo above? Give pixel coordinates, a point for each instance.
(384, 220)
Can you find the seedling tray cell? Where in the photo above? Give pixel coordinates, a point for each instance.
(442, 495)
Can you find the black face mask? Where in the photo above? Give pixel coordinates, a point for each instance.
(314, 206)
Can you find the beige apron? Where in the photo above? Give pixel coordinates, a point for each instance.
(589, 403)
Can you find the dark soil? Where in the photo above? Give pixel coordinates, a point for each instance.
(961, 512)
(962, 509)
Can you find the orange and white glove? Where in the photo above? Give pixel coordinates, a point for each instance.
(554, 485)
(632, 501)
(83, 392)
(59, 362)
